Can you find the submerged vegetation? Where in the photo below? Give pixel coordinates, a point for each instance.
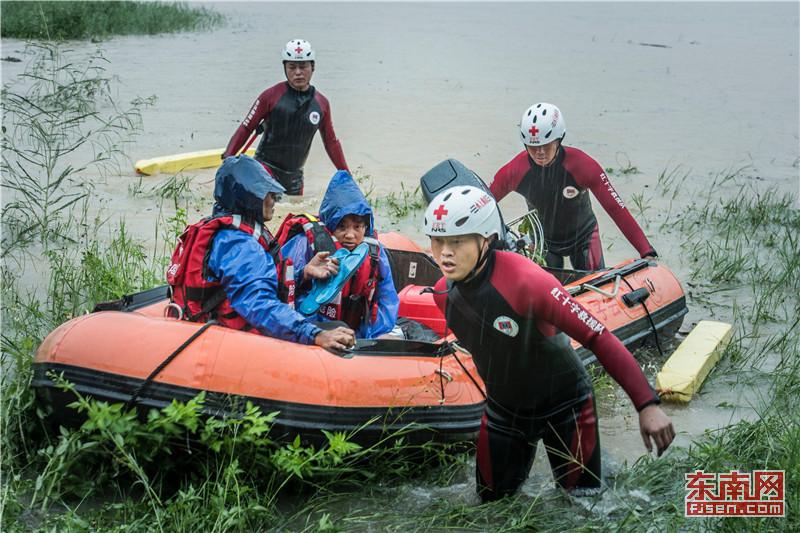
(59, 120)
(178, 470)
(396, 204)
(93, 20)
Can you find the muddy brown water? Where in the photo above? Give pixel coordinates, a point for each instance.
(701, 86)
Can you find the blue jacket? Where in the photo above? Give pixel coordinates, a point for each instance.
(343, 198)
(244, 269)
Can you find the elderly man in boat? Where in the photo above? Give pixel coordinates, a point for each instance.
(223, 268)
(367, 299)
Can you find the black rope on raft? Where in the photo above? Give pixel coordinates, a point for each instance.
(138, 390)
(650, 318)
(449, 348)
(441, 379)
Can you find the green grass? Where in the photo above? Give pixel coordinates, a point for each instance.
(98, 20)
(624, 167)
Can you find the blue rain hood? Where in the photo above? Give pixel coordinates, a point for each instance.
(240, 187)
(343, 198)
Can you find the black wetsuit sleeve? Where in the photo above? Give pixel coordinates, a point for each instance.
(509, 176)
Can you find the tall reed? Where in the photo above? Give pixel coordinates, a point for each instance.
(84, 20)
(60, 122)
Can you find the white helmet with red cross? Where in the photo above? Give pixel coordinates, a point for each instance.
(298, 50)
(463, 210)
(542, 123)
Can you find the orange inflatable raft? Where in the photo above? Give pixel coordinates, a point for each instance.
(381, 386)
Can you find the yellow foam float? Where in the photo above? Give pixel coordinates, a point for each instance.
(687, 368)
(180, 162)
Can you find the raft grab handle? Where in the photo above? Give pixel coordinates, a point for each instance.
(598, 290)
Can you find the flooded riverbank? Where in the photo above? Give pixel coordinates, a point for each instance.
(704, 89)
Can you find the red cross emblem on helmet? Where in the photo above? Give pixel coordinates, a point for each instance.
(440, 212)
(298, 49)
(534, 130)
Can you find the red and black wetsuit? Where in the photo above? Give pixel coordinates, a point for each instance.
(559, 193)
(509, 317)
(291, 118)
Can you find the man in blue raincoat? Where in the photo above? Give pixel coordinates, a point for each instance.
(368, 302)
(222, 267)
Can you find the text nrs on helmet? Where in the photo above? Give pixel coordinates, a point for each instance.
(542, 123)
(297, 50)
(463, 210)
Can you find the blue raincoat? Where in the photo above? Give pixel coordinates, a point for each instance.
(343, 198)
(245, 270)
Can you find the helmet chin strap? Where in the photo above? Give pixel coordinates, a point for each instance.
(482, 258)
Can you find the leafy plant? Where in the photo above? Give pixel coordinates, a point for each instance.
(175, 188)
(401, 204)
(366, 183)
(641, 204)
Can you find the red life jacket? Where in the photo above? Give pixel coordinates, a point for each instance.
(358, 294)
(198, 299)
(319, 238)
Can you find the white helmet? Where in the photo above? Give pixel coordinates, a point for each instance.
(463, 210)
(541, 124)
(298, 50)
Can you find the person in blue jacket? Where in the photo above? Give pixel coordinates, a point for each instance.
(238, 259)
(348, 216)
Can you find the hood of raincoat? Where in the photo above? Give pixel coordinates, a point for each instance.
(343, 198)
(240, 187)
